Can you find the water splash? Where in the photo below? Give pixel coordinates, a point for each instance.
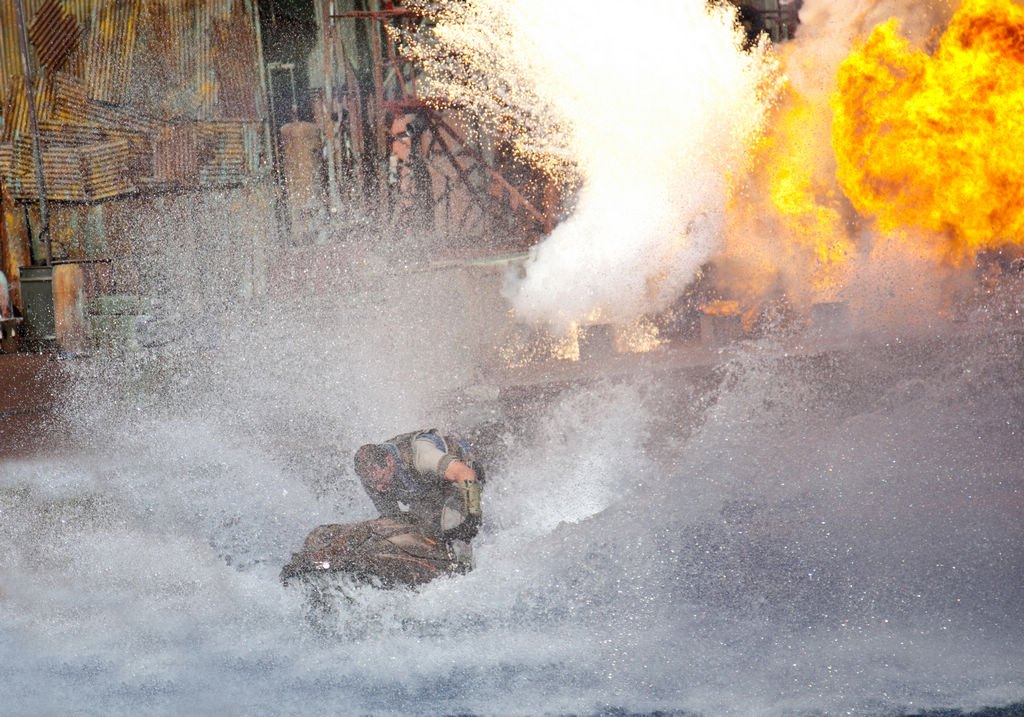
(783, 535)
(651, 111)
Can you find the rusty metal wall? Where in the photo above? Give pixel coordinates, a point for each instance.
(137, 95)
(54, 33)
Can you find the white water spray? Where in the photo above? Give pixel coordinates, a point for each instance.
(654, 107)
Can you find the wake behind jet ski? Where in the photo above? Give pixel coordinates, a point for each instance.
(426, 487)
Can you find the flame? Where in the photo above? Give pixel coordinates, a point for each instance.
(722, 307)
(787, 230)
(807, 207)
(934, 141)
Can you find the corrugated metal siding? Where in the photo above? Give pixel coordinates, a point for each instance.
(239, 79)
(105, 166)
(10, 53)
(54, 33)
(176, 155)
(6, 160)
(137, 94)
(62, 170)
(109, 49)
(205, 52)
(18, 158)
(206, 84)
(74, 108)
(232, 145)
(14, 109)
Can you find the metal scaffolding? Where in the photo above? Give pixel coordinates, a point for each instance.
(381, 113)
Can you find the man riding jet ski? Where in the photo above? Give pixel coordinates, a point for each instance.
(426, 487)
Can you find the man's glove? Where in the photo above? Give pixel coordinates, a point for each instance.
(470, 490)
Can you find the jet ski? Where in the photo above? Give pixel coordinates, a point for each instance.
(384, 552)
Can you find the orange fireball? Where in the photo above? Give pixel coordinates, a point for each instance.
(935, 141)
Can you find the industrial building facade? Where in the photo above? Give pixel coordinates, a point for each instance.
(110, 108)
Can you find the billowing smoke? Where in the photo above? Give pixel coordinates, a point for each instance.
(654, 108)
